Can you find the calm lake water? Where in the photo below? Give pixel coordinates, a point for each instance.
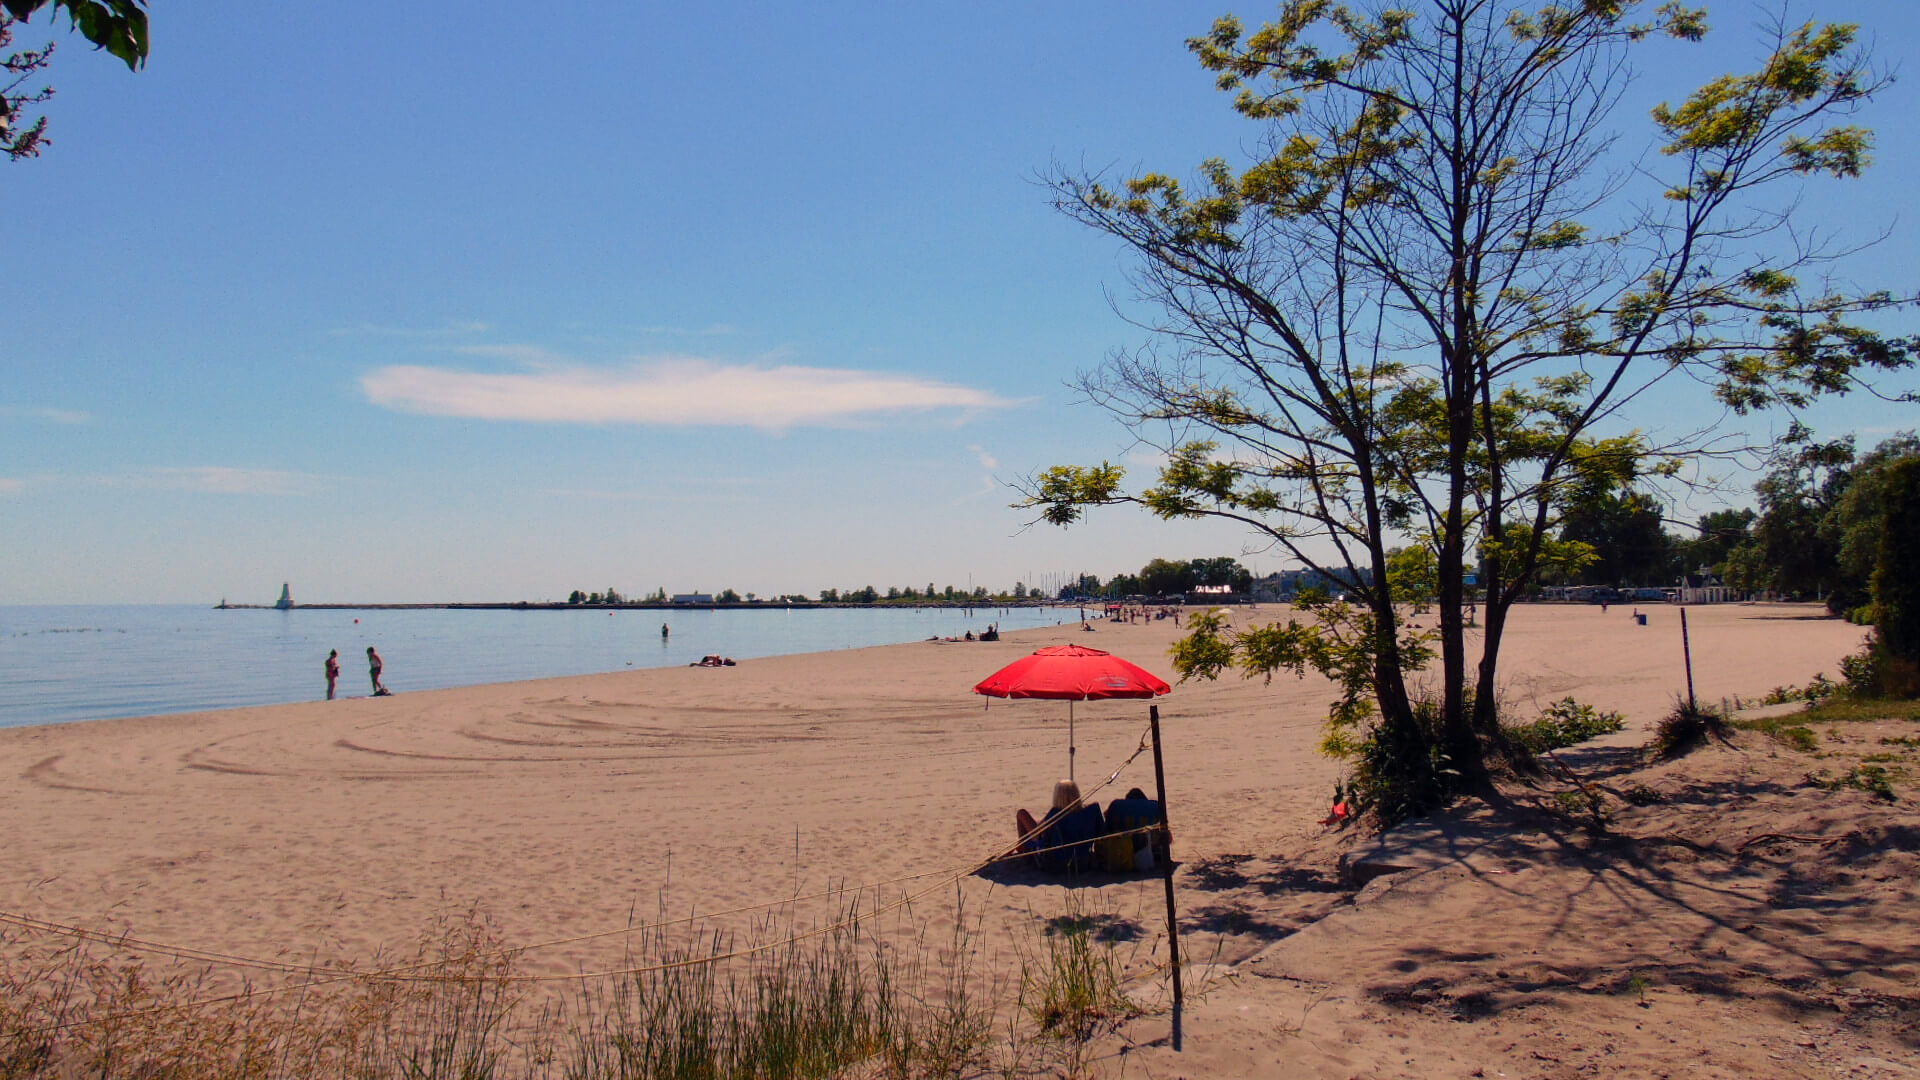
(60, 664)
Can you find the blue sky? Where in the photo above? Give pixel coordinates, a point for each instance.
(448, 302)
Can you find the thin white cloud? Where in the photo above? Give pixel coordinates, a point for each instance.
(56, 416)
(729, 495)
(453, 328)
(226, 480)
(710, 330)
(988, 486)
(672, 392)
(529, 355)
(199, 479)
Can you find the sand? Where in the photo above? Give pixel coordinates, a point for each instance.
(561, 807)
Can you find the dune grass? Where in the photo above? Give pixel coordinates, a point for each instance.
(1686, 728)
(779, 1000)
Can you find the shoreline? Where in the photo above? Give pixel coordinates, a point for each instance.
(646, 605)
(84, 664)
(1805, 612)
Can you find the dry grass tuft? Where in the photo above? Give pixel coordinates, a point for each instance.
(1687, 728)
(865, 996)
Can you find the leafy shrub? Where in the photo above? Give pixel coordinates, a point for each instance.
(1818, 689)
(1876, 780)
(1401, 773)
(1896, 587)
(1565, 723)
(1861, 672)
(1788, 730)
(1799, 736)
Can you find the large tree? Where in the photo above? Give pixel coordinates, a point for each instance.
(1821, 519)
(21, 136)
(1419, 311)
(1720, 532)
(118, 26)
(1896, 590)
(1626, 534)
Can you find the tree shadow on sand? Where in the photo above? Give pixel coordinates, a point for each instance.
(1101, 927)
(1226, 873)
(1728, 911)
(1233, 920)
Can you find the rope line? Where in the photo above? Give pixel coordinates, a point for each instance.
(1015, 851)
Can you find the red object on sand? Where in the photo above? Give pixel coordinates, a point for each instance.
(1072, 673)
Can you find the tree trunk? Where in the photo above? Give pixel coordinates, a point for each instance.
(1486, 718)
(1459, 354)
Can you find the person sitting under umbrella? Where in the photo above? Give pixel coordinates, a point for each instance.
(1065, 794)
(1141, 851)
(1067, 823)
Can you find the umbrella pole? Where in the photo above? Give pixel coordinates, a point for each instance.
(1166, 874)
(1069, 740)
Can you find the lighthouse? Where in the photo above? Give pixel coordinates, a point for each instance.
(286, 597)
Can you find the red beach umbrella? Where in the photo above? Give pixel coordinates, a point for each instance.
(1072, 673)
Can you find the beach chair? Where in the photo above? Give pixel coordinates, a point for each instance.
(1072, 836)
(1121, 854)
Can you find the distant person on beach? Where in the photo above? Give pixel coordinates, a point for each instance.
(333, 671)
(374, 667)
(664, 632)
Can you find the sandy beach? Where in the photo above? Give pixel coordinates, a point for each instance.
(559, 808)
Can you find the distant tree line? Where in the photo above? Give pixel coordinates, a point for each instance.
(1824, 514)
(949, 594)
(1165, 577)
(1816, 535)
(1160, 577)
(864, 595)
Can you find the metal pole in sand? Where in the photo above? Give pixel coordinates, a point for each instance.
(1166, 874)
(1686, 650)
